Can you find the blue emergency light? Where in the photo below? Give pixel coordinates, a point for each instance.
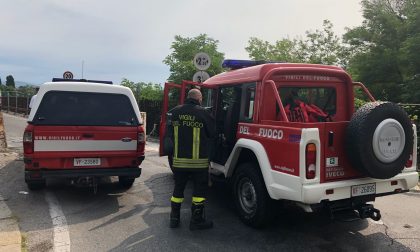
(237, 64)
(80, 80)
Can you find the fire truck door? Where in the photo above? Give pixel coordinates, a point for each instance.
(227, 118)
(171, 98)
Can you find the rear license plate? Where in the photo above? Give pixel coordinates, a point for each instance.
(361, 190)
(87, 161)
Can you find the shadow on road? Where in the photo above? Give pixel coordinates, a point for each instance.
(291, 229)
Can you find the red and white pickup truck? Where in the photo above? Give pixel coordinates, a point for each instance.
(83, 130)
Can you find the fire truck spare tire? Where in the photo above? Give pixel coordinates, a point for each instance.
(379, 139)
(250, 195)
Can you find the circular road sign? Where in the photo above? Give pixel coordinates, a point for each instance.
(202, 61)
(200, 76)
(68, 75)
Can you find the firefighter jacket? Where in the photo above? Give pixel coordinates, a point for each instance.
(192, 131)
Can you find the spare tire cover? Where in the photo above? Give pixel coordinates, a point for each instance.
(379, 139)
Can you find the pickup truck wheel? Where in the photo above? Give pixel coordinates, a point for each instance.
(379, 139)
(126, 182)
(250, 195)
(36, 185)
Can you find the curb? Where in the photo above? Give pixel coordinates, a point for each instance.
(10, 237)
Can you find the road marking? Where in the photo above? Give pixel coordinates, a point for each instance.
(138, 242)
(60, 229)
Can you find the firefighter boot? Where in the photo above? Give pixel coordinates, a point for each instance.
(175, 215)
(198, 218)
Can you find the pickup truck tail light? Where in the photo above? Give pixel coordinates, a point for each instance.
(310, 161)
(28, 142)
(141, 139)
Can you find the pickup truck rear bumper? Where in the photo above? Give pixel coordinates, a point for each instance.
(74, 173)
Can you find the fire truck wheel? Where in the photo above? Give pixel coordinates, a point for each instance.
(379, 139)
(250, 195)
(126, 182)
(36, 185)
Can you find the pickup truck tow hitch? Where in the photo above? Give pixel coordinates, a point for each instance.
(368, 211)
(87, 182)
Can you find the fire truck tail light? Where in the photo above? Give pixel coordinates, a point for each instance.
(409, 161)
(28, 142)
(329, 191)
(310, 161)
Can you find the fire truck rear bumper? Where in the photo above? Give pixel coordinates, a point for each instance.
(313, 194)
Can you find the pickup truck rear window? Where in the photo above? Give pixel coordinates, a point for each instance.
(85, 109)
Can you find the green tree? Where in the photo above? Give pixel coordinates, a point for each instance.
(284, 50)
(320, 46)
(323, 47)
(26, 91)
(144, 91)
(10, 81)
(385, 48)
(0, 82)
(180, 61)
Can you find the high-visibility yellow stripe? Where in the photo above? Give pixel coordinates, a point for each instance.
(191, 161)
(198, 200)
(197, 143)
(191, 166)
(177, 200)
(176, 141)
(194, 144)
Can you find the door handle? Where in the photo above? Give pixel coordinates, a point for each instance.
(330, 139)
(126, 139)
(88, 135)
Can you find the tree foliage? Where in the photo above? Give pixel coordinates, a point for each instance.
(144, 91)
(180, 61)
(319, 46)
(10, 81)
(386, 46)
(26, 91)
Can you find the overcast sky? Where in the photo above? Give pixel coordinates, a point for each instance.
(130, 38)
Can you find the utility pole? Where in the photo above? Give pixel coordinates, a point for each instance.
(83, 65)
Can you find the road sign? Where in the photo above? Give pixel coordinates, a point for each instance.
(200, 76)
(202, 61)
(68, 75)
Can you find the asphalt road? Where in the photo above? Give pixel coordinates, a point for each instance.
(137, 219)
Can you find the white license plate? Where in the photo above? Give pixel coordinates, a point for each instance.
(361, 190)
(87, 161)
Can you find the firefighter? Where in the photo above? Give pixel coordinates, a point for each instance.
(191, 129)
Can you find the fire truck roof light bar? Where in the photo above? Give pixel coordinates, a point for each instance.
(237, 64)
(80, 80)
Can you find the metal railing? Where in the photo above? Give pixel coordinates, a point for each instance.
(14, 102)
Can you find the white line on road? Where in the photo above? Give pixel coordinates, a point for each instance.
(60, 229)
(138, 242)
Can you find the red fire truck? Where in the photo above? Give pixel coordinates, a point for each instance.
(291, 132)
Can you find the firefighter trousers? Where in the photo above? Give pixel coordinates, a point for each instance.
(200, 181)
